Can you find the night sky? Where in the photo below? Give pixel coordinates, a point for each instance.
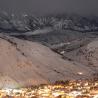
(42, 7)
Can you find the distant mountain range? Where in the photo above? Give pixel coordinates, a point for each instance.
(57, 22)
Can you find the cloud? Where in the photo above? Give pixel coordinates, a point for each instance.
(50, 6)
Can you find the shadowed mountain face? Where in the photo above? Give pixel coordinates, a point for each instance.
(71, 45)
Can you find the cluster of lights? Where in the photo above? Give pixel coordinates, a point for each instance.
(73, 89)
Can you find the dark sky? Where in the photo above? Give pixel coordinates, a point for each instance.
(50, 6)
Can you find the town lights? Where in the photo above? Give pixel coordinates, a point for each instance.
(75, 93)
(7, 91)
(96, 96)
(76, 89)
